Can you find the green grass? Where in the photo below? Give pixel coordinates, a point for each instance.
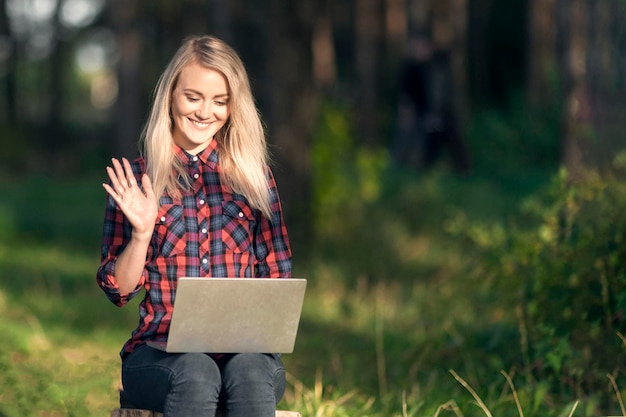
(389, 313)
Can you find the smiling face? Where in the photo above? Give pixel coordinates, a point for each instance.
(200, 107)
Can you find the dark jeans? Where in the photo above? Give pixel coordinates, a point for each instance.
(194, 384)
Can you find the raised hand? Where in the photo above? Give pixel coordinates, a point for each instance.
(139, 206)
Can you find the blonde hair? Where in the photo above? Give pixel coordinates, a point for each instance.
(241, 142)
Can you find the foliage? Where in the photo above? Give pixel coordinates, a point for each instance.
(56, 356)
(346, 177)
(14, 147)
(514, 142)
(561, 265)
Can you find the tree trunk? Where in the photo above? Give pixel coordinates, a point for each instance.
(479, 59)
(457, 18)
(396, 27)
(293, 103)
(129, 113)
(541, 53)
(220, 20)
(9, 71)
(368, 37)
(604, 59)
(54, 135)
(323, 49)
(572, 22)
(449, 95)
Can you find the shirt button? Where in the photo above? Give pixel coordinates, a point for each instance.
(195, 158)
(204, 231)
(205, 261)
(163, 219)
(201, 202)
(241, 214)
(196, 176)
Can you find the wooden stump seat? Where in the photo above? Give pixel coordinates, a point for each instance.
(131, 412)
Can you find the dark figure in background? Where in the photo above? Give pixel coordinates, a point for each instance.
(426, 124)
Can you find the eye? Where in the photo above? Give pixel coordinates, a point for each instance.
(221, 102)
(192, 99)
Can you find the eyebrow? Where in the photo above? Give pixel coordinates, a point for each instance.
(191, 90)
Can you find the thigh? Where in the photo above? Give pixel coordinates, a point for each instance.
(149, 376)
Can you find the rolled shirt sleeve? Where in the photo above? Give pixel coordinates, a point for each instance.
(272, 250)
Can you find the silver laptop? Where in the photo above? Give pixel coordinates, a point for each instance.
(235, 315)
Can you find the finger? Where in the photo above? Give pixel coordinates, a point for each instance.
(130, 177)
(147, 186)
(119, 188)
(119, 171)
(121, 176)
(108, 188)
(111, 192)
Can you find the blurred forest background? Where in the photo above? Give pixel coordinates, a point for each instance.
(410, 75)
(452, 175)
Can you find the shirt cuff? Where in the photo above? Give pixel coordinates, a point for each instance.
(110, 286)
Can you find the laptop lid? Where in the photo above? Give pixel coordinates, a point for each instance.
(228, 315)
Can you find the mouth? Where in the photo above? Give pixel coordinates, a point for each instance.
(199, 125)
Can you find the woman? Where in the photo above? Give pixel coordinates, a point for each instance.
(201, 201)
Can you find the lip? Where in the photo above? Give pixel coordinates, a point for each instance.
(200, 125)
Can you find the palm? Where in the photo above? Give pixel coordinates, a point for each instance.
(139, 206)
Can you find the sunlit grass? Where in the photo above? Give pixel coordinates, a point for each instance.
(61, 337)
(53, 369)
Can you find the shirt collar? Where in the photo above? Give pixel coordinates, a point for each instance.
(208, 156)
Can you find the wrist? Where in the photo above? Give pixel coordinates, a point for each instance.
(141, 237)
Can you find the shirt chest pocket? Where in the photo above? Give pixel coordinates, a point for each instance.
(237, 225)
(169, 230)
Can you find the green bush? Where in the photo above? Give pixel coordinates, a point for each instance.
(561, 271)
(515, 140)
(346, 177)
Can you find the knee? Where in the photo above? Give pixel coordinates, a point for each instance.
(252, 366)
(195, 369)
(172, 381)
(254, 372)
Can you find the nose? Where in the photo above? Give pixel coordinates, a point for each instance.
(204, 110)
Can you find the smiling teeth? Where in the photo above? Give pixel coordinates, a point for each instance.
(201, 125)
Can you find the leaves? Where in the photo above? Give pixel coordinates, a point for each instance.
(564, 266)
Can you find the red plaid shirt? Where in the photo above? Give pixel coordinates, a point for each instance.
(209, 232)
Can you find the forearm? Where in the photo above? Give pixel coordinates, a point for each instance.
(130, 264)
